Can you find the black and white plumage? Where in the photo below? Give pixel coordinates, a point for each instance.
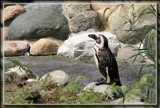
(105, 61)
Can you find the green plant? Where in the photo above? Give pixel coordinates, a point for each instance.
(73, 93)
(73, 87)
(147, 81)
(150, 86)
(16, 63)
(142, 83)
(46, 81)
(104, 14)
(89, 97)
(121, 90)
(18, 97)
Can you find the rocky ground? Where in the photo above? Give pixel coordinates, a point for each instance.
(51, 93)
(41, 65)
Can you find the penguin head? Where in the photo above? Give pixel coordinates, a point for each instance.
(95, 37)
(100, 39)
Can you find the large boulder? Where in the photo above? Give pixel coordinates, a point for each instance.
(39, 23)
(71, 9)
(122, 56)
(108, 12)
(15, 48)
(32, 41)
(104, 17)
(80, 46)
(44, 47)
(101, 5)
(37, 5)
(119, 21)
(84, 21)
(11, 12)
(11, 77)
(58, 77)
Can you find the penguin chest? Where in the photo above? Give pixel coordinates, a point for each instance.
(96, 60)
(96, 50)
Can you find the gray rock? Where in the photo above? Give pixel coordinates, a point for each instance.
(58, 77)
(16, 73)
(32, 80)
(71, 9)
(31, 6)
(101, 5)
(27, 54)
(84, 21)
(39, 23)
(11, 77)
(80, 46)
(128, 101)
(122, 56)
(118, 26)
(104, 89)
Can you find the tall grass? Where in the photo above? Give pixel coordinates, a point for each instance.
(147, 81)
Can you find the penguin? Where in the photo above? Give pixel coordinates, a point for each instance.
(105, 61)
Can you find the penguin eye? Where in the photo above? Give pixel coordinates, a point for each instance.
(98, 40)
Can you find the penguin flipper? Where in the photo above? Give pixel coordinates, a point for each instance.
(102, 69)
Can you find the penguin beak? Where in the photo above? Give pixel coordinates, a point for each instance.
(93, 36)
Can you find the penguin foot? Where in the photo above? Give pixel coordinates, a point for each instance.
(99, 80)
(118, 83)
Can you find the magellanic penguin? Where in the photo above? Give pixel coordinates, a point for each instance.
(105, 61)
